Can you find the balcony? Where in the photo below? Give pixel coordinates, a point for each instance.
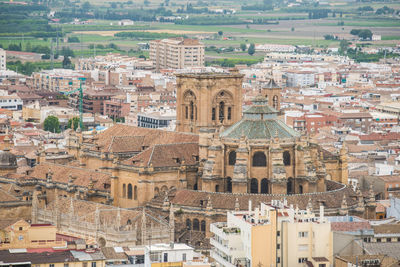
(222, 260)
(224, 248)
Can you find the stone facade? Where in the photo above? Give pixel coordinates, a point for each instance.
(208, 100)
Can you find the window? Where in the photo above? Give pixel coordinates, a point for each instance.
(165, 257)
(278, 246)
(186, 112)
(388, 239)
(259, 159)
(196, 225)
(322, 265)
(183, 256)
(229, 113)
(51, 265)
(229, 184)
(203, 226)
(213, 114)
(303, 234)
(124, 190)
(278, 233)
(254, 186)
(20, 228)
(129, 191)
(217, 188)
(378, 240)
(232, 158)
(66, 265)
(93, 264)
(278, 260)
(221, 111)
(191, 110)
(135, 193)
(301, 260)
(188, 224)
(286, 158)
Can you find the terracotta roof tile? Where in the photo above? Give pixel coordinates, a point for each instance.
(61, 174)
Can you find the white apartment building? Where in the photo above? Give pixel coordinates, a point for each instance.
(176, 53)
(297, 78)
(273, 235)
(3, 59)
(11, 102)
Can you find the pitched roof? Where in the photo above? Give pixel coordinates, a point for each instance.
(226, 201)
(61, 174)
(131, 137)
(36, 258)
(350, 226)
(166, 155)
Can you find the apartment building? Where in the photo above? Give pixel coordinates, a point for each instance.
(273, 235)
(3, 58)
(176, 53)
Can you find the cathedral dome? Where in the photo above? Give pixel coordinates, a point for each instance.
(7, 160)
(259, 121)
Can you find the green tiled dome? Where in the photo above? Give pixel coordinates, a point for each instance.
(259, 121)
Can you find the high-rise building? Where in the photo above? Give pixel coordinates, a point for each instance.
(176, 53)
(3, 58)
(275, 235)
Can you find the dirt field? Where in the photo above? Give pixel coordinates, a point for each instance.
(111, 33)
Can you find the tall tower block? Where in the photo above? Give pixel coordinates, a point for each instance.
(208, 100)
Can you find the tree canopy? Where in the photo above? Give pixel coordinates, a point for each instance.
(52, 124)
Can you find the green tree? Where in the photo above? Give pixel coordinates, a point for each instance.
(67, 64)
(74, 122)
(243, 47)
(220, 33)
(292, 29)
(252, 49)
(343, 46)
(52, 124)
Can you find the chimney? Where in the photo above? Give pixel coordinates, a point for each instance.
(249, 207)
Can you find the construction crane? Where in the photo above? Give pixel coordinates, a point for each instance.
(80, 90)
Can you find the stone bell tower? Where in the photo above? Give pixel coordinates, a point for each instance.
(208, 100)
(272, 92)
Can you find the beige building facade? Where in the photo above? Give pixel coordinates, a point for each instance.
(272, 235)
(176, 53)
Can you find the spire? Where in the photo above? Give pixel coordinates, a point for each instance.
(118, 222)
(344, 208)
(172, 223)
(143, 227)
(309, 206)
(237, 205)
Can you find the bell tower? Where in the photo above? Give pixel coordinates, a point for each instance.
(208, 100)
(273, 94)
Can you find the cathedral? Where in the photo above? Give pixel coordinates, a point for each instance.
(219, 158)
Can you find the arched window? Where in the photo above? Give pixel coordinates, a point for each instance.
(195, 187)
(232, 158)
(300, 189)
(286, 158)
(213, 114)
(186, 112)
(124, 190)
(191, 110)
(217, 188)
(229, 113)
(275, 102)
(229, 184)
(196, 225)
(164, 188)
(188, 224)
(203, 226)
(264, 186)
(129, 191)
(254, 186)
(135, 193)
(221, 111)
(290, 186)
(259, 159)
(156, 191)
